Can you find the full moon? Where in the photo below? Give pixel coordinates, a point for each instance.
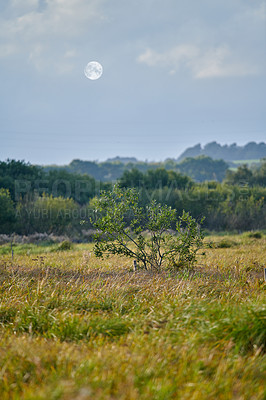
(93, 70)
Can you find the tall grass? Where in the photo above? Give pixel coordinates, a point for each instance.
(72, 327)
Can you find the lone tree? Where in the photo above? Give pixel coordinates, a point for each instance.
(144, 234)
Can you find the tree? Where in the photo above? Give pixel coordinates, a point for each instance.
(7, 211)
(203, 168)
(133, 178)
(19, 178)
(125, 228)
(259, 175)
(158, 178)
(47, 214)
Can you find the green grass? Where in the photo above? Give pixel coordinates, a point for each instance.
(248, 162)
(28, 249)
(74, 327)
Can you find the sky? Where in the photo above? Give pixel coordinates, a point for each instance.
(175, 73)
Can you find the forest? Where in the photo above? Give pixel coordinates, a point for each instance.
(201, 163)
(233, 152)
(33, 199)
(199, 168)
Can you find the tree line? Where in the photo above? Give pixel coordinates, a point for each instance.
(233, 152)
(200, 169)
(56, 201)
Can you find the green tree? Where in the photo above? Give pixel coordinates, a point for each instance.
(19, 178)
(7, 211)
(47, 214)
(79, 187)
(125, 228)
(133, 178)
(259, 175)
(243, 175)
(203, 168)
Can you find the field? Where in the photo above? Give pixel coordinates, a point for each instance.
(248, 162)
(75, 328)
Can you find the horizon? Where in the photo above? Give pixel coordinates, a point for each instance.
(119, 158)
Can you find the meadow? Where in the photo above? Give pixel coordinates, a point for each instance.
(73, 327)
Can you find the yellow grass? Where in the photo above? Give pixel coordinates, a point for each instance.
(74, 327)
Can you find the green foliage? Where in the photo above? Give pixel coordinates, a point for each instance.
(7, 211)
(28, 249)
(25, 181)
(231, 152)
(79, 187)
(236, 204)
(225, 244)
(45, 322)
(203, 168)
(154, 179)
(47, 214)
(18, 177)
(242, 175)
(125, 228)
(65, 245)
(247, 176)
(246, 328)
(255, 235)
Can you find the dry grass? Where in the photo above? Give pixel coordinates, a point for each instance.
(74, 327)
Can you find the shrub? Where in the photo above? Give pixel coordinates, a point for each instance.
(121, 222)
(65, 245)
(225, 244)
(255, 235)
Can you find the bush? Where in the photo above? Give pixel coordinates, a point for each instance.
(121, 222)
(255, 235)
(47, 214)
(65, 245)
(225, 244)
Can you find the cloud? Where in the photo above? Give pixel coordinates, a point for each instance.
(45, 32)
(173, 57)
(7, 49)
(221, 62)
(200, 62)
(258, 13)
(18, 7)
(212, 41)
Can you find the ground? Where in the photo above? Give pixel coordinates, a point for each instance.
(73, 327)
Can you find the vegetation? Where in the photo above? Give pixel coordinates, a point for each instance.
(201, 168)
(7, 211)
(125, 228)
(232, 152)
(26, 182)
(246, 176)
(56, 201)
(74, 327)
(226, 206)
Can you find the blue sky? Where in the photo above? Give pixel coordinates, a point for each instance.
(176, 73)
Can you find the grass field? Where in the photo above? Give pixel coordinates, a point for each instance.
(248, 162)
(73, 327)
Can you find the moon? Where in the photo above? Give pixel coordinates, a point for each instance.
(93, 70)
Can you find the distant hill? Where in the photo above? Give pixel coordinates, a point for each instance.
(123, 160)
(199, 168)
(233, 152)
(209, 162)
